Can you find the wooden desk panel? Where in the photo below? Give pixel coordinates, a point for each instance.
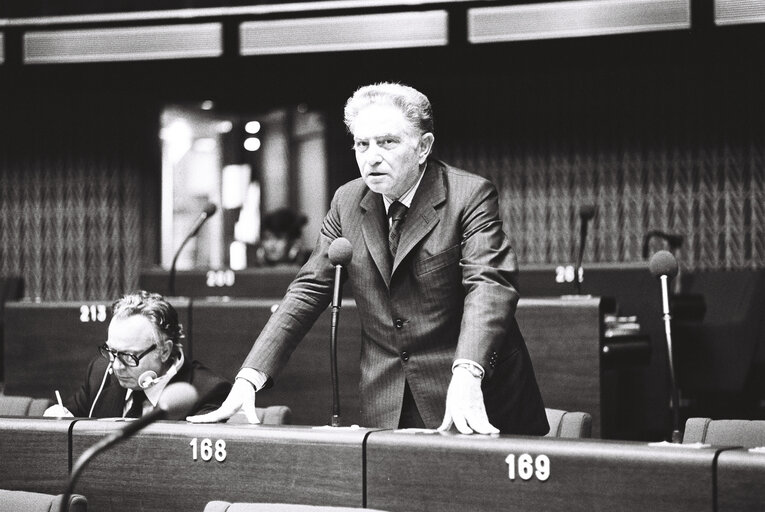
(455, 473)
(224, 331)
(269, 282)
(48, 345)
(155, 471)
(740, 481)
(563, 338)
(34, 454)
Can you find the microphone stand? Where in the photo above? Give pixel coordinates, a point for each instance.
(676, 435)
(208, 212)
(336, 299)
(171, 281)
(582, 242)
(80, 465)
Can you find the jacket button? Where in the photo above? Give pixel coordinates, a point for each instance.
(405, 355)
(399, 323)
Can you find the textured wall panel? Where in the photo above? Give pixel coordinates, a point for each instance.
(340, 33)
(735, 12)
(123, 44)
(75, 198)
(575, 19)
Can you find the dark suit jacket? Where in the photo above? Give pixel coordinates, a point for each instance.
(450, 293)
(211, 388)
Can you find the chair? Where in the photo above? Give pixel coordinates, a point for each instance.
(572, 425)
(23, 501)
(271, 415)
(745, 433)
(225, 506)
(23, 405)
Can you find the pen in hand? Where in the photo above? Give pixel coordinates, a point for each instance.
(58, 398)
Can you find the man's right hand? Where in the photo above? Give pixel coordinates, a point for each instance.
(240, 398)
(57, 411)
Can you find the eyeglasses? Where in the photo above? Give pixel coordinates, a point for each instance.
(125, 358)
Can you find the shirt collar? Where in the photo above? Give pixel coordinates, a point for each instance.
(406, 198)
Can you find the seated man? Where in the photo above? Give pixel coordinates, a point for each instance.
(280, 239)
(141, 357)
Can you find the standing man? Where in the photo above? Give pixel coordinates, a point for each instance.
(434, 278)
(142, 356)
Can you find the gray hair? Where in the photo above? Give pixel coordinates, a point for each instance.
(413, 104)
(157, 310)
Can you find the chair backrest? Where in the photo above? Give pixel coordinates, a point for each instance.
(567, 424)
(23, 405)
(746, 433)
(225, 506)
(15, 501)
(271, 415)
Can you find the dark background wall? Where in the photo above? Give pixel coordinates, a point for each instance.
(658, 130)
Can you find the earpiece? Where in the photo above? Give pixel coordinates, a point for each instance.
(147, 379)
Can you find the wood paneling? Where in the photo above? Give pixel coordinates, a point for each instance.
(34, 454)
(422, 472)
(155, 470)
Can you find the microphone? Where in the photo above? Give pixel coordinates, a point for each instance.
(663, 265)
(175, 402)
(340, 254)
(147, 379)
(208, 212)
(586, 213)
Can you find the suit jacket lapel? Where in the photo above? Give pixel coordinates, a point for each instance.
(422, 216)
(111, 403)
(376, 232)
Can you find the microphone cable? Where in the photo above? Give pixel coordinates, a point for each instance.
(103, 381)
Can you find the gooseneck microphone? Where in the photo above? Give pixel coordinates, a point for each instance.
(586, 214)
(208, 212)
(340, 254)
(663, 265)
(175, 402)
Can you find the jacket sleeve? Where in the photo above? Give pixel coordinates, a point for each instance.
(80, 402)
(489, 275)
(307, 297)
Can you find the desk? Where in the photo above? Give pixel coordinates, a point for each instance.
(48, 345)
(426, 472)
(11, 288)
(740, 481)
(252, 282)
(34, 454)
(224, 331)
(155, 470)
(563, 338)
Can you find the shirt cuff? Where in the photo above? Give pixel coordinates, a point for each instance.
(471, 366)
(255, 377)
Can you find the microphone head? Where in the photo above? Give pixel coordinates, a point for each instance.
(210, 209)
(340, 252)
(663, 263)
(587, 211)
(147, 379)
(177, 400)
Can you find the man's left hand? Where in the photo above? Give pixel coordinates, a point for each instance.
(464, 405)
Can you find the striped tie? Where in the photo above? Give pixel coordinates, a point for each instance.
(396, 213)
